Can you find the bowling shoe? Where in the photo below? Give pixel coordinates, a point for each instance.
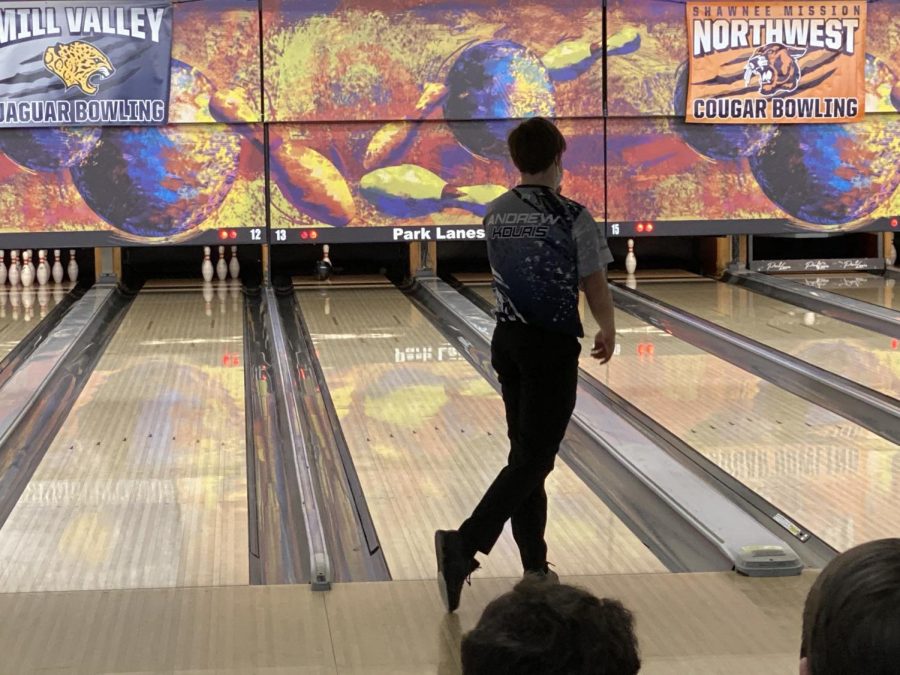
(544, 575)
(454, 568)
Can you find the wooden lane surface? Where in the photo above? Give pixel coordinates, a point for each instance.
(871, 359)
(686, 624)
(427, 435)
(145, 484)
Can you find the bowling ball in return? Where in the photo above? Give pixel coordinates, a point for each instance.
(831, 174)
(491, 85)
(716, 141)
(162, 181)
(49, 149)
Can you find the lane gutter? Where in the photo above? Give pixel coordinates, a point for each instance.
(349, 527)
(277, 538)
(20, 353)
(38, 397)
(292, 431)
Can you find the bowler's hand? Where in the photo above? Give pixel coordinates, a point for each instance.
(604, 346)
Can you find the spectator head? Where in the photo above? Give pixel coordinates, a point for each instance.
(851, 621)
(550, 629)
(536, 146)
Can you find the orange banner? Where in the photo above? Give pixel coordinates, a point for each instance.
(781, 62)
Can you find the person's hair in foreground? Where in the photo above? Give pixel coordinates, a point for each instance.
(535, 145)
(851, 621)
(551, 629)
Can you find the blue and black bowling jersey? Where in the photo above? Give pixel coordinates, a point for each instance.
(540, 244)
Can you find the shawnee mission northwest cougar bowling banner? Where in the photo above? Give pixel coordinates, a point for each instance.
(784, 62)
(84, 63)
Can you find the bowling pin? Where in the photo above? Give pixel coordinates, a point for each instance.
(475, 198)
(73, 266)
(28, 304)
(308, 180)
(2, 268)
(630, 259)
(43, 296)
(392, 140)
(15, 274)
(43, 269)
(57, 267)
(221, 265)
(404, 181)
(28, 260)
(571, 58)
(222, 295)
(626, 41)
(234, 290)
(27, 274)
(389, 143)
(234, 265)
(207, 267)
(892, 255)
(311, 182)
(208, 293)
(15, 300)
(323, 267)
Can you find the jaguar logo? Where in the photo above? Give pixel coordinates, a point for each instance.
(777, 68)
(79, 64)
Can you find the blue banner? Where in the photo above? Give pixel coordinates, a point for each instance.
(84, 63)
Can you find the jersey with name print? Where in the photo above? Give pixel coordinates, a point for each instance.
(540, 245)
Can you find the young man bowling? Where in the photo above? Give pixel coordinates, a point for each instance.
(542, 248)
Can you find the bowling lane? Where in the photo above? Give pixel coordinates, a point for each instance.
(835, 477)
(21, 309)
(144, 486)
(852, 352)
(427, 435)
(875, 290)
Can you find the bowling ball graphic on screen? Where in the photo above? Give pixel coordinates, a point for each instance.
(492, 84)
(162, 181)
(717, 141)
(831, 174)
(49, 149)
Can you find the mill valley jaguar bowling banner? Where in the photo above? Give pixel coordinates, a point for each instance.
(84, 63)
(783, 62)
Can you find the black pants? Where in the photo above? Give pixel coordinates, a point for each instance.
(538, 373)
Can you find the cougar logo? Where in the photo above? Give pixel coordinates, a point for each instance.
(776, 67)
(78, 64)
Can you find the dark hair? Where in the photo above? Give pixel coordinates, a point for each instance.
(550, 629)
(535, 144)
(851, 621)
